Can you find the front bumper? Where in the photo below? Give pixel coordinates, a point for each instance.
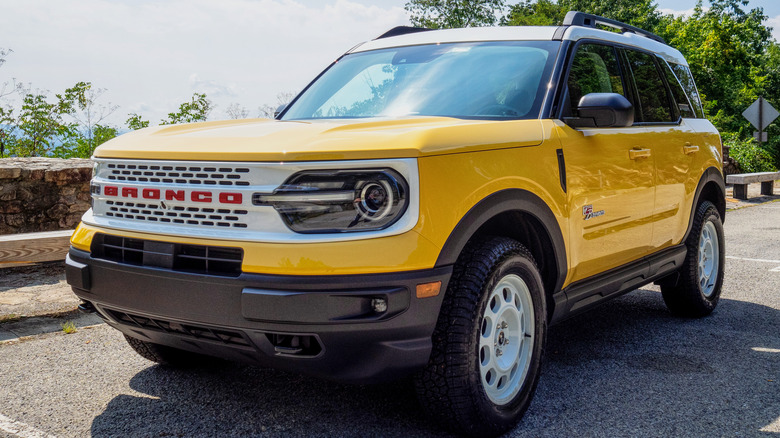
(325, 326)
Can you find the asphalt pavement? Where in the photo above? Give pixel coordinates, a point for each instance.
(627, 368)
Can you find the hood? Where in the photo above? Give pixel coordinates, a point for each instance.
(273, 140)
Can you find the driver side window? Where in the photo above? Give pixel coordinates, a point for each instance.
(593, 70)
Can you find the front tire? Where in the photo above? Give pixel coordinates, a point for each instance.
(488, 342)
(698, 288)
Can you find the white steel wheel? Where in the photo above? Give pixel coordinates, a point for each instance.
(488, 342)
(506, 339)
(709, 259)
(694, 290)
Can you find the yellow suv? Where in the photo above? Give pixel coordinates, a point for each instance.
(428, 205)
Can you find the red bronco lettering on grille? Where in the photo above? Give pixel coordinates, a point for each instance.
(178, 195)
(230, 198)
(151, 193)
(200, 196)
(129, 192)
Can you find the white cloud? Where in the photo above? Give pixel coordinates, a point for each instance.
(774, 23)
(152, 55)
(213, 89)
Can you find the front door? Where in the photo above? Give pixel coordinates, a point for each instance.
(610, 174)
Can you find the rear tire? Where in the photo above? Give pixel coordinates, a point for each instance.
(169, 356)
(700, 279)
(488, 342)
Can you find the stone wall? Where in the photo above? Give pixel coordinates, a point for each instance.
(43, 194)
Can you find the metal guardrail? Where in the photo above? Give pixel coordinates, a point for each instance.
(30, 248)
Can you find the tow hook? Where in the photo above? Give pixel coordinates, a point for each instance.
(87, 307)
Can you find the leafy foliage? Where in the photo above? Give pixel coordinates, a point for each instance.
(40, 126)
(442, 14)
(135, 122)
(750, 157)
(196, 110)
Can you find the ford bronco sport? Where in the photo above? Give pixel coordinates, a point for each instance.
(427, 206)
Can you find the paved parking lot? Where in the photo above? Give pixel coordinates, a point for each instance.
(627, 368)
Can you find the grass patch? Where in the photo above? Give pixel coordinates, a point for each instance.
(69, 327)
(11, 317)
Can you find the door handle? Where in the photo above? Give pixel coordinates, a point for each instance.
(690, 149)
(638, 153)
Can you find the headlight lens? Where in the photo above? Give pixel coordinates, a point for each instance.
(339, 201)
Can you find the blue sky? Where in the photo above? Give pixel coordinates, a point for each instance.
(151, 55)
(771, 7)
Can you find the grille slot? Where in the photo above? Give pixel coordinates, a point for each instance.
(227, 337)
(197, 175)
(214, 217)
(200, 259)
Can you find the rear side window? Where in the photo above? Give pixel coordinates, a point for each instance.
(680, 98)
(683, 73)
(593, 70)
(653, 105)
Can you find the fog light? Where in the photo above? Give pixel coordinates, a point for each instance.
(379, 305)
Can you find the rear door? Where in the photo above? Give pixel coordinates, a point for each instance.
(662, 108)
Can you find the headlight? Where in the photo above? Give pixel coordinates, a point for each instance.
(94, 188)
(339, 201)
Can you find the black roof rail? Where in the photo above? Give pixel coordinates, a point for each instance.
(401, 30)
(576, 18)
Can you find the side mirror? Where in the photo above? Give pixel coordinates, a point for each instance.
(279, 110)
(603, 110)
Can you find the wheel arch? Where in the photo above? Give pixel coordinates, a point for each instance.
(523, 216)
(711, 188)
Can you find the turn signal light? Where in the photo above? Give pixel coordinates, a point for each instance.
(427, 290)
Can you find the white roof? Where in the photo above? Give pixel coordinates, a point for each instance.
(515, 33)
(468, 34)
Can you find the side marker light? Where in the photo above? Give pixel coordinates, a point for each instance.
(427, 290)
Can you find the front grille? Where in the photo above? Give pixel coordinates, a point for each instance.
(214, 217)
(199, 259)
(201, 333)
(198, 175)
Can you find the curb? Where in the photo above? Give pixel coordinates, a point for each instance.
(24, 327)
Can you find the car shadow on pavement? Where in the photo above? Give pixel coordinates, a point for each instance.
(627, 368)
(241, 400)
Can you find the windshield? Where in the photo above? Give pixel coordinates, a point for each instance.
(466, 80)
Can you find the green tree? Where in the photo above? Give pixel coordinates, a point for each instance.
(40, 126)
(7, 130)
(442, 14)
(80, 103)
(196, 110)
(536, 13)
(728, 53)
(135, 122)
